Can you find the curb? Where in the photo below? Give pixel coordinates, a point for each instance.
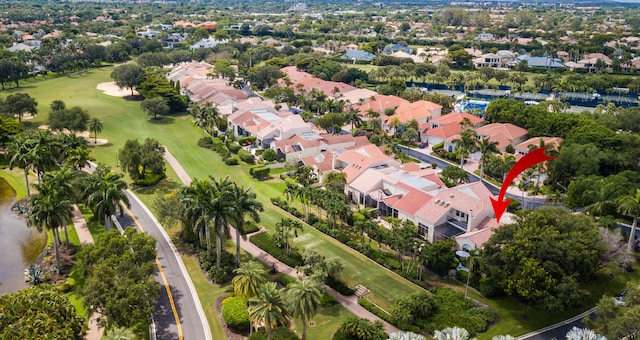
(183, 269)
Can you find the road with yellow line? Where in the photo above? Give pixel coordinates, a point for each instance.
(178, 313)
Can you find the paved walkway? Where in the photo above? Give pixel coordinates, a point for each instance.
(349, 302)
(94, 332)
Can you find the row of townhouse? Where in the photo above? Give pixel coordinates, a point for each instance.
(374, 179)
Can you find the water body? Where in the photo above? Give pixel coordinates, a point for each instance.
(19, 245)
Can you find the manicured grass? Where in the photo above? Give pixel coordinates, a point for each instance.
(15, 181)
(326, 322)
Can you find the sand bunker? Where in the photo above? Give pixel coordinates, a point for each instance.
(111, 89)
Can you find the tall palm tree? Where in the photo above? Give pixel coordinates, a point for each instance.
(196, 203)
(629, 205)
(394, 123)
(95, 127)
(352, 116)
(204, 116)
(19, 151)
(48, 209)
(222, 209)
(248, 278)
(245, 203)
(268, 307)
(487, 148)
(303, 300)
(63, 182)
(105, 191)
(44, 152)
(466, 144)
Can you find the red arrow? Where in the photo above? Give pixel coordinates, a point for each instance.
(532, 158)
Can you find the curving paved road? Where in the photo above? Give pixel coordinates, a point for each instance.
(192, 323)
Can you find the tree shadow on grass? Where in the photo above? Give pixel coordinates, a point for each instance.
(133, 98)
(164, 186)
(162, 120)
(332, 310)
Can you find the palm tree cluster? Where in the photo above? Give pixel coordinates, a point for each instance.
(270, 306)
(205, 117)
(216, 204)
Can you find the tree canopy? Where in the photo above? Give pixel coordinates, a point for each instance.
(128, 75)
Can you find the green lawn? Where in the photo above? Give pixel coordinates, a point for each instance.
(124, 120)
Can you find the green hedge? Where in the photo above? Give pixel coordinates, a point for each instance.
(264, 241)
(233, 147)
(149, 179)
(259, 171)
(231, 161)
(246, 156)
(235, 314)
(247, 140)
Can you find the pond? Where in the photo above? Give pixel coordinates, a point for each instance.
(19, 245)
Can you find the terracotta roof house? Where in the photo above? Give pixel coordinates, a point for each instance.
(503, 133)
(307, 82)
(422, 110)
(380, 103)
(455, 211)
(267, 125)
(445, 127)
(549, 142)
(310, 144)
(355, 161)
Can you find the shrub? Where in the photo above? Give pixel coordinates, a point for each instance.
(265, 242)
(233, 147)
(206, 142)
(235, 314)
(231, 161)
(269, 155)
(327, 300)
(438, 146)
(250, 227)
(208, 264)
(149, 179)
(246, 156)
(259, 172)
(339, 286)
(279, 333)
(247, 140)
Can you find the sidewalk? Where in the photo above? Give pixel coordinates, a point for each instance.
(94, 332)
(349, 302)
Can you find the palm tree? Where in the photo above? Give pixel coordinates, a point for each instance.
(452, 333)
(583, 334)
(486, 148)
(119, 333)
(204, 116)
(195, 200)
(48, 209)
(394, 123)
(268, 307)
(352, 116)
(303, 300)
(95, 126)
(629, 205)
(503, 337)
(466, 144)
(105, 192)
(19, 152)
(248, 278)
(62, 180)
(363, 329)
(245, 203)
(43, 152)
(223, 210)
(57, 105)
